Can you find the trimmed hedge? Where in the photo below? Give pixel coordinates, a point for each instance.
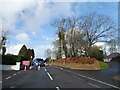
(78, 60)
(9, 59)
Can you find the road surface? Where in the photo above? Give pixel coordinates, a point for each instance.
(57, 78)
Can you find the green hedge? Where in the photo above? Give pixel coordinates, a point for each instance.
(9, 59)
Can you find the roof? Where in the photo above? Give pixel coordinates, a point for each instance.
(113, 55)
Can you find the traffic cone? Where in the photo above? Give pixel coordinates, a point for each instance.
(39, 67)
(25, 68)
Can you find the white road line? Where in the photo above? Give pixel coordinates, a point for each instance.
(19, 71)
(12, 86)
(49, 76)
(78, 78)
(93, 79)
(94, 85)
(8, 77)
(14, 74)
(57, 88)
(61, 68)
(45, 69)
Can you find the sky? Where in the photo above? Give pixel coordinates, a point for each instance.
(29, 21)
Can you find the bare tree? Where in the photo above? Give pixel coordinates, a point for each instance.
(48, 53)
(98, 28)
(76, 36)
(61, 26)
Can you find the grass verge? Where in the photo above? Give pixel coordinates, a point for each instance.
(103, 65)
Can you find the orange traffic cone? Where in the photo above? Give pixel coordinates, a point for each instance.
(39, 67)
(25, 68)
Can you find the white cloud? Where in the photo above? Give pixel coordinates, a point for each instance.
(46, 38)
(41, 10)
(14, 49)
(33, 33)
(40, 51)
(100, 44)
(23, 38)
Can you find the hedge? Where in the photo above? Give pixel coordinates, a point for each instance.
(9, 59)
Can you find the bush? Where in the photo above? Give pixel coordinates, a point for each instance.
(78, 60)
(9, 59)
(95, 52)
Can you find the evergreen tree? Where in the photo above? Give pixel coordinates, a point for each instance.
(23, 51)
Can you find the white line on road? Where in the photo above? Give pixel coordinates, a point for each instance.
(49, 76)
(94, 85)
(61, 68)
(19, 72)
(12, 86)
(57, 88)
(93, 79)
(14, 74)
(8, 77)
(78, 78)
(45, 69)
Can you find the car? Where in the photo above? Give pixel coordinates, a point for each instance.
(42, 65)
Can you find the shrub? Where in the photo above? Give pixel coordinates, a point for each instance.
(78, 60)
(95, 52)
(9, 59)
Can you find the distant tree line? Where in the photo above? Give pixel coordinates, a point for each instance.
(77, 36)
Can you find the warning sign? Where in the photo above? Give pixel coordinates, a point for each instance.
(26, 63)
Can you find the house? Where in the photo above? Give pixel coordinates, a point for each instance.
(111, 56)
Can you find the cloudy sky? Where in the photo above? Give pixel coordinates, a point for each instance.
(29, 21)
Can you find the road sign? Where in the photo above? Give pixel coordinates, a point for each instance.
(26, 63)
(63, 56)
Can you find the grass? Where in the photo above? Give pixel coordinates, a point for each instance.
(103, 65)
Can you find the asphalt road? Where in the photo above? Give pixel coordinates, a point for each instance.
(52, 77)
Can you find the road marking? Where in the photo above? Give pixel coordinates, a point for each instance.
(49, 76)
(94, 85)
(8, 77)
(93, 79)
(12, 86)
(19, 72)
(61, 68)
(78, 78)
(14, 74)
(57, 88)
(45, 69)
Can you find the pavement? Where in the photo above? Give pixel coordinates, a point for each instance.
(57, 78)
